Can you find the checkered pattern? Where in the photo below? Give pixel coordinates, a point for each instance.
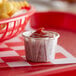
(12, 54)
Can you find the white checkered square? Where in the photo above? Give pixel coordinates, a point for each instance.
(1, 61)
(8, 53)
(18, 47)
(18, 63)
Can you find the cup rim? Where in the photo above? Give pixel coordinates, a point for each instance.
(57, 35)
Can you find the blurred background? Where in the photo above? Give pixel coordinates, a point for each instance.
(54, 5)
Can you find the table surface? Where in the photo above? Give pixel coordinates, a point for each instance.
(55, 68)
(12, 64)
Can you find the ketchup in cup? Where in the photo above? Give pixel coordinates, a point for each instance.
(40, 45)
(40, 33)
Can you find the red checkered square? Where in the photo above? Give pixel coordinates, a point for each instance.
(13, 59)
(15, 44)
(59, 56)
(4, 65)
(6, 49)
(21, 52)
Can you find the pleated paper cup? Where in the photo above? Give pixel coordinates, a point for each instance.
(40, 49)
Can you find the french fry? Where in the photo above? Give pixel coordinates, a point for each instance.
(1, 2)
(23, 4)
(20, 4)
(26, 3)
(9, 7)
(15, 4)
(13, 11)
(4, 16)
(6, 7)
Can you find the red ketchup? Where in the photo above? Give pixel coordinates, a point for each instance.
(40, 33)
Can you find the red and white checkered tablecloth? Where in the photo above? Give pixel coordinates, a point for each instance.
(12, 52)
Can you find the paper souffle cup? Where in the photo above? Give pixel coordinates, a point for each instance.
(40, 49)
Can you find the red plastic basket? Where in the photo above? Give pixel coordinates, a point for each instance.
(15, 25)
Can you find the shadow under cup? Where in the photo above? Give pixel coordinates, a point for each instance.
(40, 49)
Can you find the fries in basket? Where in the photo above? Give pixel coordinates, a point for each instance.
(8, 8)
